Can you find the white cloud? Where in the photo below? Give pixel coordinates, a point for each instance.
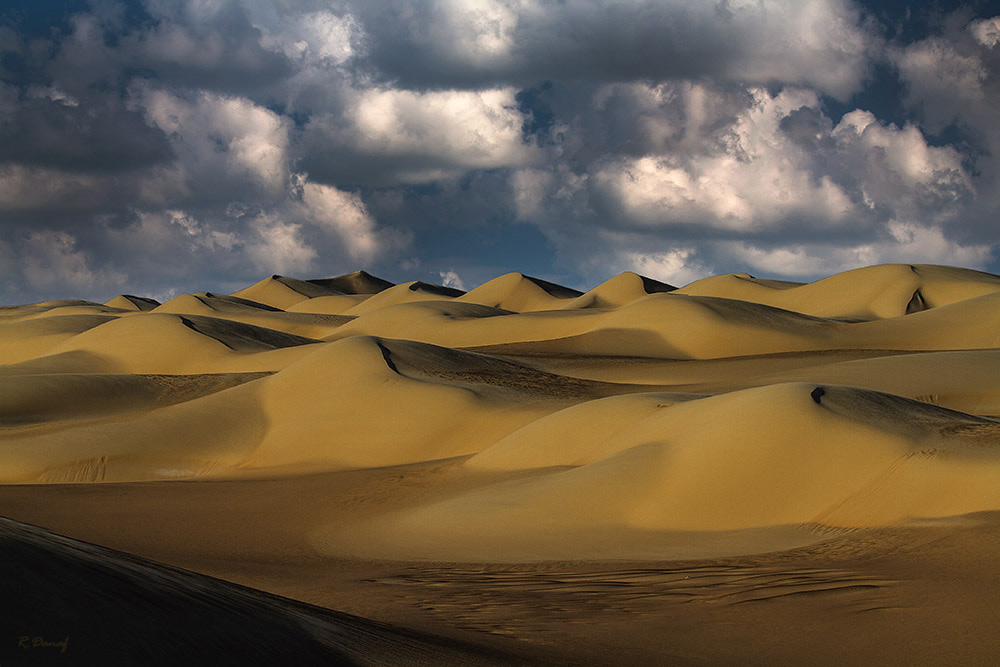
(319, 38)
(481, 31)
(746, 178)
(904, 243)
(451, 279)
(900, 172)
(221, 139)
(343, 214)
(207, 43)
(425, 136)
(158, 232)
(986, 31)
(749, 178)
(676, 267)
(759, 172)
(275, 246)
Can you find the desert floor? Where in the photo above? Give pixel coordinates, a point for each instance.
(740, 471)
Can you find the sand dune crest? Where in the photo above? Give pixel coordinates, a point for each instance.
(735, 403)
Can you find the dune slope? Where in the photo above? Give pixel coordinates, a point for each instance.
(92, 605)
(635, 409)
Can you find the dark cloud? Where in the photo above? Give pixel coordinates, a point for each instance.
(46, 127)
(487, 43)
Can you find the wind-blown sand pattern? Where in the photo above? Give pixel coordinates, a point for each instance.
(738, 471)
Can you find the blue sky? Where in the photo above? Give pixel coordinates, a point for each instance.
(167, 146)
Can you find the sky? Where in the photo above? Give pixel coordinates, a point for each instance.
(158, 147)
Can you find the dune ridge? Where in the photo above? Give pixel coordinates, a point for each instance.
(865, 399)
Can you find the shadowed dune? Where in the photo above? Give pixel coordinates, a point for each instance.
(92, 605)
(130, 302)
(359, 282)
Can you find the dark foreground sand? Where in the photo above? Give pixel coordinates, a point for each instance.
(67, 602)
(909, 595)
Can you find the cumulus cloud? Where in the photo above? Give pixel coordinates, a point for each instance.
(764, 174)
(316, 38)
(953, 87)
(675, 267)
(940, 79)
(904, 243)
(278, 246)
(211, 45)
(415, 137)
(986, 31)
(779, 161)
(469, 43)
(46, 259)
(224, 144)
(344, 215)
(451, 279)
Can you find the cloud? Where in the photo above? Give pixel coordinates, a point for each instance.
(675, 267)
(774, 161)
(207, 142)
(46, 259)
(451, 279)
(953, 87)
(388, 135)
(746, 170)
(209, 45)
(277, 246)
(986, 31)
(226, 146)
(480, 43)
(344, 215)
(29, 188)
(315, 38)
(905, 243)
(47, 126)
(940, 79)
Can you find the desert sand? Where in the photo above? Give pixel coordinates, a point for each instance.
(737, 471)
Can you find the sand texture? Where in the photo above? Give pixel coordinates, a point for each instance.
(737, 471)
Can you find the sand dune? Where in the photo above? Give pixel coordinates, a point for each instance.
(516, 291)
(618, 291)
(405, 293)
(843, 457)
(359, 283)
(130, 302)
(234, 309)
(875, 292)
(281, 292)
(391, 374)
(93, 604)
(521, 420)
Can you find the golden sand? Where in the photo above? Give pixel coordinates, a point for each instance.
(810, 469)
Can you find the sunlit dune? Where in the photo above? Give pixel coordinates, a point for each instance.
(522, 422)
